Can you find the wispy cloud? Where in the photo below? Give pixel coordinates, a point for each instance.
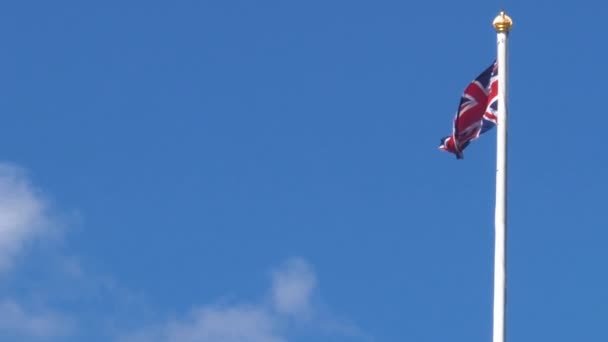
(36, 311)
(17, 321)
(291, 301)
(23, 214)
(24, 218)
(292, 288)
(218, 324)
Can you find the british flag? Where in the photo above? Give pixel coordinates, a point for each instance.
(476, 112)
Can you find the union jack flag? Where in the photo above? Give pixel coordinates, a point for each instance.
(476, 112)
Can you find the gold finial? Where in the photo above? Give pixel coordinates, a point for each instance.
(502, 22)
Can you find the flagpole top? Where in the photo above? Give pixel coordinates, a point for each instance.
(502, 23)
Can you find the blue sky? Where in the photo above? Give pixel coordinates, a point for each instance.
(268, 171)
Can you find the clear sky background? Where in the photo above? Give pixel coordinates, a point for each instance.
(268, 171)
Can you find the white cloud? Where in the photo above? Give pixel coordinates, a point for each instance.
(233, 324)
(24, 218)
(17, 321)
(291, 294)
(216, 324)
(293, 286)
(23, 214)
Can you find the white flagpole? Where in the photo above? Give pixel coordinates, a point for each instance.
(502, 23)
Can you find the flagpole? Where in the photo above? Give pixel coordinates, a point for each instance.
(502, 23)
